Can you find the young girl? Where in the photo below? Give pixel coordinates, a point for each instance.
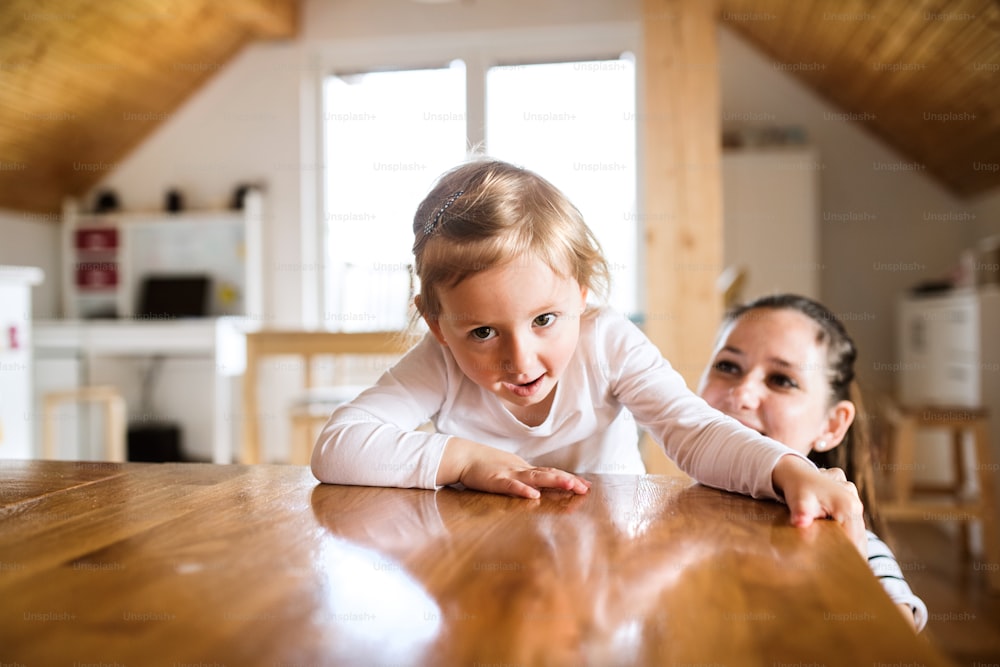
(526, 385)
(784, 366)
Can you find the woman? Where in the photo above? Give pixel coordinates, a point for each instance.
(784, 366)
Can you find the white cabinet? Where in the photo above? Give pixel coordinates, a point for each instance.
(943, 343)
(771, 219)
(16, 361)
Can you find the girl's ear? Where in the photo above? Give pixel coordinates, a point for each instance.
(432, 322)
(839, 419)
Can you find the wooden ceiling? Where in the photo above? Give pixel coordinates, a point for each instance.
(82, 82)
(920, 74)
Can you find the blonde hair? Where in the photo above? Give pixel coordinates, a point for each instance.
(485, 214)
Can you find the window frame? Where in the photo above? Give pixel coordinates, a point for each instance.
(480, 50)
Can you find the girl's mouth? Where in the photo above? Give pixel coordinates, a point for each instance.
(527, 389)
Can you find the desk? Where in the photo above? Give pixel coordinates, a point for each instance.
(220, 340)
(169, 564)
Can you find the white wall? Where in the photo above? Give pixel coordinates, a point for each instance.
(987, 212)
(32, 239)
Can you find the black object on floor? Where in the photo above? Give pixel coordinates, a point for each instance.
(154, 442)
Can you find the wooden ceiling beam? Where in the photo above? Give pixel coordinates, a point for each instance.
(266, 19)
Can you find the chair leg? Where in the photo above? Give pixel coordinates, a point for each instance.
(958, 453)
(959, 485)
(300, 439)
(905, 454)
(49, 408)
(991, 535)
(114, 412)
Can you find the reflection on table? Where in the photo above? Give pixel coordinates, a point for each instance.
(197, 563)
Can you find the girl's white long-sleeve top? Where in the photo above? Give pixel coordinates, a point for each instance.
(616, 381)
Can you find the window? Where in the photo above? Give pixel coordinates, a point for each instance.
(388, 135)
(390, 132)
(574, 124)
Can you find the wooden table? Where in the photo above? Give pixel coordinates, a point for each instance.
(202, 564)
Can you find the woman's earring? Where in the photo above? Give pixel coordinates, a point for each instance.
(820, 446)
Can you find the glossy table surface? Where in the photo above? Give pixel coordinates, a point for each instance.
(202, 564)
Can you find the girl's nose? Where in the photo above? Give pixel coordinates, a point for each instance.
(518, 354)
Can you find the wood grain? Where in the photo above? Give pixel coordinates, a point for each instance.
(84, 83)
(170, 564)
(919, 75)
(682, 188)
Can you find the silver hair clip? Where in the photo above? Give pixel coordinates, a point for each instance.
(432, 223)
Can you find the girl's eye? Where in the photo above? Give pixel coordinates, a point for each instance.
(483, 333)
(726, 367)
(783, 381)
(545, 320)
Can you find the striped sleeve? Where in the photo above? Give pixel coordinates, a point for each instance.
(884, 565)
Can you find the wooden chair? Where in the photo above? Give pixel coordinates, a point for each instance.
(114, 417)
(908, 499)
(307, 345)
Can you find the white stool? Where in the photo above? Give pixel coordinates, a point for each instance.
(114, 418)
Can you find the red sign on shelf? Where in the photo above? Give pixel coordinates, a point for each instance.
(96, 239)
(96, 275)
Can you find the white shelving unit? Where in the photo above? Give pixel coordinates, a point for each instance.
(106, 256)
(103, 339)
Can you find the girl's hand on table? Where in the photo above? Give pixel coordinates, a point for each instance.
(838, 475)
(484, 468)
(814, 494)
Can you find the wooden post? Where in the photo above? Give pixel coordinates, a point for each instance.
(681, 188)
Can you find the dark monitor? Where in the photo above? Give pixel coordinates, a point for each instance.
(167, 297)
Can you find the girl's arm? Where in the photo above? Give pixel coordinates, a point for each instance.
(810, 495)
(374, 441)
(709, 446)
